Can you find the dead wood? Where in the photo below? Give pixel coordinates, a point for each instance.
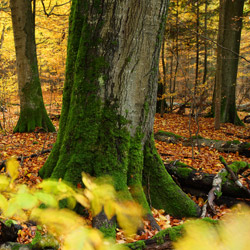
(242, 148)
(8, 233)
(189, 177)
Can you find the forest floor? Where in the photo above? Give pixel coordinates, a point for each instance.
(205, 159)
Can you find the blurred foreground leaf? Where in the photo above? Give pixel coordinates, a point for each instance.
(12, 168)
(230, 234)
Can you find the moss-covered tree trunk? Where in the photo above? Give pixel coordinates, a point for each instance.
(229, 36)
(109, 102)
(32, 111)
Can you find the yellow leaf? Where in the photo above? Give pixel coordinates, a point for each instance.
(109, 209)
(230, 233)
(129, 216)
(96, 206)
(82, 200)
(4, 182)
(3, 203)
(12, 168)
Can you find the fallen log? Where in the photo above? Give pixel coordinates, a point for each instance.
(165, 238)
(242, 148)
(244, 107)
(190, 177)
(162, 240)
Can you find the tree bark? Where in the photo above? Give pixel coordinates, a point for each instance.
(32, 111)
(109, 102)
(229, 36)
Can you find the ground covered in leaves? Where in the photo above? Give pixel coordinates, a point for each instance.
(34, 144)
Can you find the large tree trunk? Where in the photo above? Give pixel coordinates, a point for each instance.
(109, 102)
(229, 36)
(32, 111)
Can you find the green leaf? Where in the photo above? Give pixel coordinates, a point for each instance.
(48, 199)
(21, 201)
(71, 202)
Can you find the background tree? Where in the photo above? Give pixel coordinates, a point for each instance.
(32, 111)
(231, 14)
(109, 99)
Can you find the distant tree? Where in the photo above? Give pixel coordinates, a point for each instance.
(229, 36)
(109, 100)
(32, 111)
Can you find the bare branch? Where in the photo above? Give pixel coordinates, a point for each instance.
(52, 9)
(214, 42)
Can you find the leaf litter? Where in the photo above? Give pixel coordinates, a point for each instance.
(207, 159)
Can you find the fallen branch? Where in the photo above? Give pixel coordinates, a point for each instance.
(215, 191)
(234, 176)
(21, 158)
(222, 146)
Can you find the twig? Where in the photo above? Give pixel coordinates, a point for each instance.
(51, 11)
(215, 191)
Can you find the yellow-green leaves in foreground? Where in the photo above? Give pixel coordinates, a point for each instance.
(24, 203)
(103, 196)
(231, 233)
(12, 168)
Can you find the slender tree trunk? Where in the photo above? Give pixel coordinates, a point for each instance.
(197, 56)
(164, 83)
(205, 45)
(32, 111)
(229, 36)
(177, 57)
(109, 101)
(1, 45)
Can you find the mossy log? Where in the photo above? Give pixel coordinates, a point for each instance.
(222, 146)
(244, 107)
(164, 239)
(187, 176)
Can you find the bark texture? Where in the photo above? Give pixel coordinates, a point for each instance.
(109, 102)
(32, 111)
(229, 36)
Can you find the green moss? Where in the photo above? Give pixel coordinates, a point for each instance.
(169, 134)
(246, 145)
(9, 222)
(223, 175)
(138, 245)
(209, 220)
(179, 164)
(30, 118)
(229, 143)
(238, 165)
(135, 168)
(197, 137)
(46, 241)
(171, 198)
(37, 238)
(108, 231)
(218, 194)
(184, 172)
